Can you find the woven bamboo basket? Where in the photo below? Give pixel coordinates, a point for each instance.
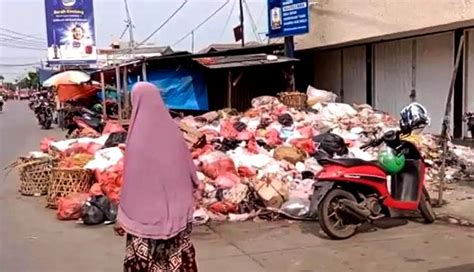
(293, 99)
(67, 181)
(35, 176)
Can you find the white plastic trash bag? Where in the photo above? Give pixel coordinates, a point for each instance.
(319, 96)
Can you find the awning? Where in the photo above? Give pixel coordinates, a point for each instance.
(74, 91)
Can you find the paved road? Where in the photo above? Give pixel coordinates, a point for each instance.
(31, 239)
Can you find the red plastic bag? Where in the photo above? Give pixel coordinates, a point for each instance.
(304, 144)
(110, 181)
(219, 167)
(45, 143)
(69, 208)
(245, 135)
(273, 137)
(306, 132)
(252, 147)
(201, 151)
(228, 130)
(96, 189)
(246, 172)
(223, 207)
(112, 126)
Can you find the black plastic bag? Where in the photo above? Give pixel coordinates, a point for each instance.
(285, 119)
(332, 144)
(97, 210)
(116, 138)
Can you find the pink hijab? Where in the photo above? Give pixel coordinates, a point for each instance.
(159, 175)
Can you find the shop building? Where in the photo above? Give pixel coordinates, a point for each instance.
(388, 53)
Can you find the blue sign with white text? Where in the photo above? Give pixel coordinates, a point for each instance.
(287, 18)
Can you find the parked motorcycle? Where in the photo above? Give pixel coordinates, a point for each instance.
(85, 119)
(349, 192)
(469, 119)
(44, 113)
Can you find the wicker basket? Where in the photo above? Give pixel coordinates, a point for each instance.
(67, 181)
(293, 99)
(35, 176)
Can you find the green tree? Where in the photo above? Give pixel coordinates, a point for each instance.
(31, 80)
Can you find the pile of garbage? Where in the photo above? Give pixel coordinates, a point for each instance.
(103, 157)
(262, 159)
(259, 163)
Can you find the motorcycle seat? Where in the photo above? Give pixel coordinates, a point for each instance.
(349, 162)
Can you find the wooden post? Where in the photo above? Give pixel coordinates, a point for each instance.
(102, 84)
(446, 123)
(125, 91)
(229, 90)
(119, 93)
(144, 71)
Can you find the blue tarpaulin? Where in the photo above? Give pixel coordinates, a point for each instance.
(44, 74)
(181, 89)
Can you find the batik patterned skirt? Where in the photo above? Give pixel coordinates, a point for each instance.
(148, 255)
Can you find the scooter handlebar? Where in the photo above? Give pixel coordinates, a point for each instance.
(373, 143)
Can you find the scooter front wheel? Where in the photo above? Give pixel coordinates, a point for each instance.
(331, 220)
(425, 207)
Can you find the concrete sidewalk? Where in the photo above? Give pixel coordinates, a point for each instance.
(459, 203)
(283, 246)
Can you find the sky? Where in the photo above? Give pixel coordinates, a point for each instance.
(28, 17)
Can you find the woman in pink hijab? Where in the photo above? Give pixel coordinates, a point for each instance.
(157, 203)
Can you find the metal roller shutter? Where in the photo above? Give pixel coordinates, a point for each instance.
(433, 67)
(354, 77)
(392, 75)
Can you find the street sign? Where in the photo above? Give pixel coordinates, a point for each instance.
(287, 18)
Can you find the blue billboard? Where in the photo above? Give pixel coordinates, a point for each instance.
(70, 31)
(287, 18)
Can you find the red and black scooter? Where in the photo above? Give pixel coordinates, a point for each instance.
(349, 192)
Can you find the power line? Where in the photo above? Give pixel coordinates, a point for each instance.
(203, 22)
(164, 23)
(23, 47)
(19, 41)
(124, 31)
(11, 37)
(252, 21)
(21, 34)
(228, 19)
(18, 65)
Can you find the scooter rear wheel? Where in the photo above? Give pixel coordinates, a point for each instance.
(331, 221)
(425, 207)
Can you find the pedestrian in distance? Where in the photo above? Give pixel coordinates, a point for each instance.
(160, 189)
(2, 101)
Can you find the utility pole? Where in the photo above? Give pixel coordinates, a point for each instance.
(130, 29)
(192, 41)
(241, 6)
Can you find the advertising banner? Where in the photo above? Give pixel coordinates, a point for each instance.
(70, 30)
(287, 18)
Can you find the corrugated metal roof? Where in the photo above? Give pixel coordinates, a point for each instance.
(226, 46)
(242, 61)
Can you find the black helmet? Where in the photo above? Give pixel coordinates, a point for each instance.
(414, 116)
